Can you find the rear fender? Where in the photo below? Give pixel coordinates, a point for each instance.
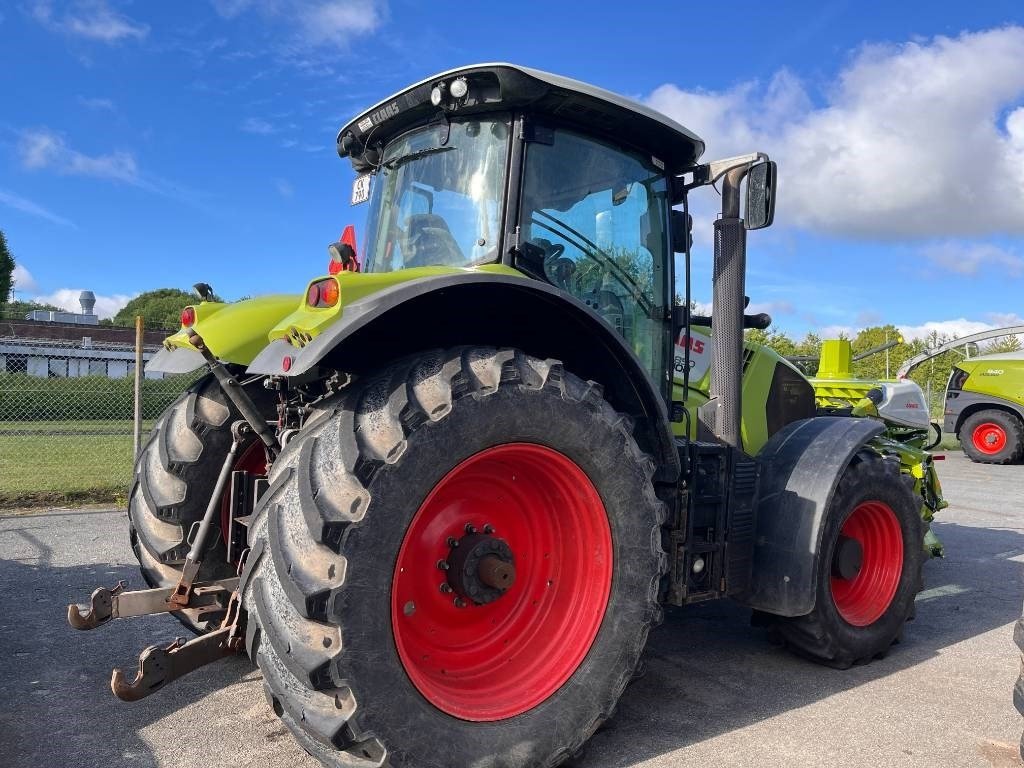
(489, 309)
(800, 468)
(235, 333)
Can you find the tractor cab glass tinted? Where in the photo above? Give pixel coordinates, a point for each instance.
(599, 215)
(437, 198)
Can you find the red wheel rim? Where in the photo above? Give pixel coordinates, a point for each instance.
(863, 599)
(253, 460)
(494, 661)
(989, 438)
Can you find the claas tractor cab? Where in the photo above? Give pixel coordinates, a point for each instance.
(441, 496)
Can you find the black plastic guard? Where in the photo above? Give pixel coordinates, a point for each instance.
(800, 468)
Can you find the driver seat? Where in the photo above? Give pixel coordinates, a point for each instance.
(429, 242)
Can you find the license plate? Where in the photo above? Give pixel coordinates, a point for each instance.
(361, 189)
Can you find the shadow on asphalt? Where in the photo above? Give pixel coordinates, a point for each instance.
(55, 680)
(710, 672)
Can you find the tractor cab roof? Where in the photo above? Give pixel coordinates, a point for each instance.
(484, 88)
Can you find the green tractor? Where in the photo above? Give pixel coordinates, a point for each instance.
(442, 497)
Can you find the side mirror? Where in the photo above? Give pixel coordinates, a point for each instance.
(682, 228)
(761, 181)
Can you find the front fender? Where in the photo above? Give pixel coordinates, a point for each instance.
(235, 333)
(800, 469)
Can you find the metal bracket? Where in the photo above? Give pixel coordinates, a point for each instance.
(106, 604)
(158, 665)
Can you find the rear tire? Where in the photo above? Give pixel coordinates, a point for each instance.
(348, 620)
(856, 619)
(174, 478)
(992, 437)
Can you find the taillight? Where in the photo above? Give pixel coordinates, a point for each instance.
(323, 293)
(188, 317)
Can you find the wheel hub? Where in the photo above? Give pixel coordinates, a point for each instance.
(480, 566)
(848, 558)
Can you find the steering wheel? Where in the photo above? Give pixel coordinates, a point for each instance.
(557, 267)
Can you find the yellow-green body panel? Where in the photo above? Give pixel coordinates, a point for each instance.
(996, 377)
(310, 322)
(236, 333)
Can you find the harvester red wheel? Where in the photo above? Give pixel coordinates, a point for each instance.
(174, 476)
(869, 569)
(992, 437)
(460, 553)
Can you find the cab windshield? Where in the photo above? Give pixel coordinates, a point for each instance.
(437, 197)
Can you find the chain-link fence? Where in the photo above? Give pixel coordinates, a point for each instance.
(66, 409)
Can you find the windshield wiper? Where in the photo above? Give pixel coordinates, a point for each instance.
(395, 162)
(560, 229)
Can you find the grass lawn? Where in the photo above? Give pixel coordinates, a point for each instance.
(63, 469)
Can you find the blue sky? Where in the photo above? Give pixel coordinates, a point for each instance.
(145, 145)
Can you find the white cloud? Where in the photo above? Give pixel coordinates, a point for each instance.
(919, 139)
(91, 19)
(45, 149)
(970, 258)
(24, 205)
(96, 103)
(327, 22)
(23, 280)
(67, 298)
(284, 188)
(257, 126)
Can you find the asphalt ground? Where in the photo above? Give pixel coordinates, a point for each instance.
(717, 692)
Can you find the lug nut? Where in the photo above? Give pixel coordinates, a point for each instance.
(443, 565)
(470, 528)
(452, 542)
(488, 529)
(458, 602)
(446, 588)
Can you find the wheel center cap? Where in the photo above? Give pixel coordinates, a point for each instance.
(480, 567)
(848, 558)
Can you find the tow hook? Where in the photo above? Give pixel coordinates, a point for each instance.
(159, 666)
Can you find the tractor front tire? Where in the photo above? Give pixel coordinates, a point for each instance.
(869, 569)
(382, 636)
(175, 474)
(992, 437)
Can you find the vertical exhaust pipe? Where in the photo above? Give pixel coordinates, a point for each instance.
(730, 273)
(721, 416)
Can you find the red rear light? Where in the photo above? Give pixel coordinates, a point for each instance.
(188, 317)
(329, 293)
(323, 293)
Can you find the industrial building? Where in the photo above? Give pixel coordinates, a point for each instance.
(71, 344)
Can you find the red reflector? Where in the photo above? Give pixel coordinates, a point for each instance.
(188, 317)
(313, 296)
(329, 293)
(286, 364)
(938, 457)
